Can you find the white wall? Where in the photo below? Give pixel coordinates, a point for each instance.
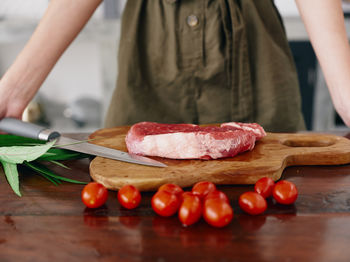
(287, 8)
(20, 8)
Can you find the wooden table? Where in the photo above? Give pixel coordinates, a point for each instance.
(50, 223)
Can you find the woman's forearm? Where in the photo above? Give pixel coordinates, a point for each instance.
(324, 21)
(61, 23)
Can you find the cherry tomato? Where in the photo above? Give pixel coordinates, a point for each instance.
(285, 192)
(165, 203)
(217, 212)
(172, 188)
(190, 210)
(252, 203)
(186, 194)
(203, 188)
(94, 195)
(264, 186)
(217, 194)
(129, 196)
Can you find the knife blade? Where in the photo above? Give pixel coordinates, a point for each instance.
(25, 129)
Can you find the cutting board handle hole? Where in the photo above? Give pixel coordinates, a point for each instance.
(306, 142)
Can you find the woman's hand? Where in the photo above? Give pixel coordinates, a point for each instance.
(341, 101)
(12, 100)
(324, 21)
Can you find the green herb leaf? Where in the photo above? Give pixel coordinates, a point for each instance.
(31, 165)
(44, 170)
(52, 180)
(61, 154)
(12, 140)
(11, 173)
(59, 164)
(19, 154)
(20, 150)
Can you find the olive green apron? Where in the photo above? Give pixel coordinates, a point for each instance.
(205, 61)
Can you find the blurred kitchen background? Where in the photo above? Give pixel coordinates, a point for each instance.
(75, 96)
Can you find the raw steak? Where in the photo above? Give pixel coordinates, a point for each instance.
(187, 141)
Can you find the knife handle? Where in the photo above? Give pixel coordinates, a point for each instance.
(17, 127)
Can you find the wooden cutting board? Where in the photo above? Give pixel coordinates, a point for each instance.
(270, 157)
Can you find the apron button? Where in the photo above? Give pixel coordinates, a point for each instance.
(192, 20)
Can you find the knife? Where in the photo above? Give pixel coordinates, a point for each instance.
(25, 129)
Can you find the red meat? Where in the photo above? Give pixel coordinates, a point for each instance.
(187, 141)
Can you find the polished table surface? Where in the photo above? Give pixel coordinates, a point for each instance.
(50, 223)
